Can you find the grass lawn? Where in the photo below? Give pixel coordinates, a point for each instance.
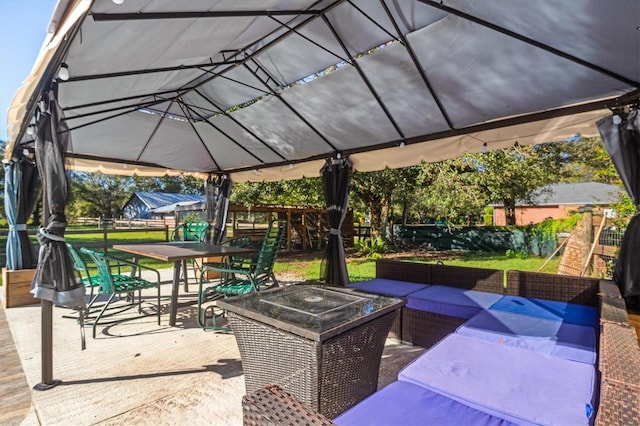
(307, 266)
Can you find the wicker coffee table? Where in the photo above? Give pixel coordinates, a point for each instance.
(321, 344)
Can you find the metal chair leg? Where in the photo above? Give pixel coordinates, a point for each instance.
(104, 308)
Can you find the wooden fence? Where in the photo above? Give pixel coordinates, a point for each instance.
(122, 223)
(104, 230)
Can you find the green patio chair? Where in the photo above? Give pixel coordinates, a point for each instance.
(191, 231)
(87, 277)
(242, 275)
(231, 262)
(115, 284)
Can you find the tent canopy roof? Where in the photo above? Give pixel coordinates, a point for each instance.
(265, 90)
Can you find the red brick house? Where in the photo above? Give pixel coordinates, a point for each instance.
(560, 200)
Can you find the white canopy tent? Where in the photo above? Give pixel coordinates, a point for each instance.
(271, 89)
(266, 90)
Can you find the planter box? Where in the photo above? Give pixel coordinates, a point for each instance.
(16, 287)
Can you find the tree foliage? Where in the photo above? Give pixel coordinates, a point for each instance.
(99, 195)
(183, 184)
(378, 191)
(451, 195)
(517, 173)
(301, 192)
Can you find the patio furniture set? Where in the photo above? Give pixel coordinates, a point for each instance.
(529, 349)
(244, 269)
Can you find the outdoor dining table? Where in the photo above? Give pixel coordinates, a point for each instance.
(179, 253)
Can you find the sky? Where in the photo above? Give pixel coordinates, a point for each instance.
(23, 28)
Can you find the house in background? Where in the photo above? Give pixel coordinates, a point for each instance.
(560, 200)
(141, 204)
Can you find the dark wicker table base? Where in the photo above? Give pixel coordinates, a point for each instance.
(329, 376)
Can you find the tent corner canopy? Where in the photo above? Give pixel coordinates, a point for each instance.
(66, 16)
(270, 92)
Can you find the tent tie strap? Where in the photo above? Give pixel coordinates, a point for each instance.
(334, 231)
(50, 236)
(18, 227)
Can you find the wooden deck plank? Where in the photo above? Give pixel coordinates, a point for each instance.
(15, 394)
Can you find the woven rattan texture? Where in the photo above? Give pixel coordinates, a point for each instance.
(396, 327)
(562, 288)
(479, 279)
(403, 271)
(350, 365)
(271, 356)
(619, 405)
(609, 288)
(426, 328)
(272, 406)
(613, 310)
(619, 355)
(329, 377)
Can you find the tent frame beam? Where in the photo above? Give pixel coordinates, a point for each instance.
(610, 103)
(287, 104)
(128, 73)
(239, 124)
(440, 5)
(364, 78)
(110, 17)
(418, 65)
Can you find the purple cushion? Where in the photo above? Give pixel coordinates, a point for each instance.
(555, 338)
(403, 403)
(549, 309)
(451, 301)
(521, 386)
(387, 287)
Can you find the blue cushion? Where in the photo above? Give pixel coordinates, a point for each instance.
(387, 287)
(570, 313)
(521, 386)
(451, 301)
(404, 403)
(554, 338)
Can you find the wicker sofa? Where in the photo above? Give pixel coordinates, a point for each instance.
(618, 352)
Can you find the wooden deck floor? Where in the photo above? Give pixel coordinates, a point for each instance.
(15, 395)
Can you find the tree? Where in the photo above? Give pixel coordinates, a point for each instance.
(183, 184)
(517, 173)
(300, 192)
(99, 195)
(451, 193)
(377, 190)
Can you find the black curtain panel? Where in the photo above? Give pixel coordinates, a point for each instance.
(54, 279)
(224, 187)
(621, 135)
(28, 194)
(21, 192)
(336, 176)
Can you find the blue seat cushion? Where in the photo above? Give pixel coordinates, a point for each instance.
(388, 287)
(404, 403)
(451, 301)
(555, 338)
(521, 386)
(570, 313)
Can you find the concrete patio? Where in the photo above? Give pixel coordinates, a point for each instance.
(139, 372)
